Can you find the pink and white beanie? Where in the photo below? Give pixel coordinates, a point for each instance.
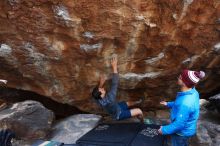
(191, 78)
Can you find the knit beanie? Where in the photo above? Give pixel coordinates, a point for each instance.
(191, 78)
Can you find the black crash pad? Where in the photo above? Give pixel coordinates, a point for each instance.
(122, 134)
(110, 135)
(70, 145)
(149, 136)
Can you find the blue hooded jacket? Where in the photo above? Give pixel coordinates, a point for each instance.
(109, 102)
(184, 114)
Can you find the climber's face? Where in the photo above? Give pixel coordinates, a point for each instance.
(102, 90)
(180, 81)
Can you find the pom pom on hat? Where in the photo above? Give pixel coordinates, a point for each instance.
(201, 74)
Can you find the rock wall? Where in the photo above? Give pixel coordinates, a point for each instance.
(59, 48)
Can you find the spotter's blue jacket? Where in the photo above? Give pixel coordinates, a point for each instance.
(184, 114)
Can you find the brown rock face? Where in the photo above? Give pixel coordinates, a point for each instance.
(59, 48)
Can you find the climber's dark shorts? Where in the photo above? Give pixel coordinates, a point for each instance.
(125, 111)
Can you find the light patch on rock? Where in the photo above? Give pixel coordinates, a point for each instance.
(37, 59)
(203, 102)
(58, 46)
(5, 50)
(32, 52)
(155, 59)
(57, 87)
(132, 45)
(6, 53)
(62, 12)
(31, 49)
(140, 76)
(88, 35)
(3, 81)
(13, 2)
(188, 1)
(54, 45)
(186, 60)
(215, 97)
(140, 17)
(175, 16)
(194, 58)
(191, 59)
(88, 47)
(146, 21)
(217, 47)
(14, 106)
(27, 103)
(185, 8)
(77, 27)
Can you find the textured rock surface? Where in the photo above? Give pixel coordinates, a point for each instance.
(58, 49)
(29, 120)
(71, 129)
(215, 101)
(208, 134)
(208, 129)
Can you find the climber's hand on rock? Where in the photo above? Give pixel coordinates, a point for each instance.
(114, 63)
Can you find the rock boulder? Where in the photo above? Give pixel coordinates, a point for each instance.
(29, 120)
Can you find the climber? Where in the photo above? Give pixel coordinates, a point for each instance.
(184, 110)
(107, 100)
